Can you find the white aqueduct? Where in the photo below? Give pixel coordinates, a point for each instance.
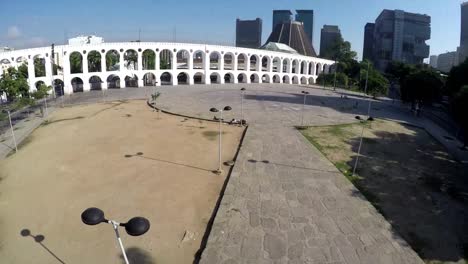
(138, 64)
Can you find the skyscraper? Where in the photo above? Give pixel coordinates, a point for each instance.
(281, 16)
(400, 36)
(249, 33)
(307, 18)
(464, 32)
(329, 35)
(368, 41)
(433, 61)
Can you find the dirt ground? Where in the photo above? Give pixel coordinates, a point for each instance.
(86, 156)
(409, 177)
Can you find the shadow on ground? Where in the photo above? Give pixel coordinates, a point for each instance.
(419, 189)
(39, 239)
(137, 255)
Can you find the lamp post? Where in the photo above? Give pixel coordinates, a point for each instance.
(215, 110)
(242, 106)
(368, 117)
(303, 106)
(136, 226)
(334, 78)
(12, 131)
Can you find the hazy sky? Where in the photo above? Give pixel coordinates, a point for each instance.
(32, 23)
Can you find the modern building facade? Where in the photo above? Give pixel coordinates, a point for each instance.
(249, 33)
(464, 32)
(368, 41)
(329, 35)
(446, 61)
(281, 16)
(292, 34)
(307, 18)
(433, 61)
(400, 36)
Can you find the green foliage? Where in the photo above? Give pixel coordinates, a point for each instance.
(23, 70)
(457, 78)
(422, 85)
(149, 60)
(39, 67)
(341, 79)
(76, 63)
(340, 51)
(112, 58)
(94, 61)
(41, 92)
(164, 64)
(155, 96)
(13, 84)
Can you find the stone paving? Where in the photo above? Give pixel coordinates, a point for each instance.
(285, 202)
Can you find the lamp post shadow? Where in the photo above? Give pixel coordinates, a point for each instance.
(38, 239)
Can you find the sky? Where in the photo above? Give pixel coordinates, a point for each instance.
(34, 23)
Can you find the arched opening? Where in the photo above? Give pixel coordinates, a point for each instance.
(113, 82)
(311, 80)
(165, 59)
(59, 87)
(38, 84)
(286, 66)
(39, 66)
(254, 78)
(166, 78)
(311, 68)
(149, 60)
(76, 62)
(215, 59)
(215, 78)
(94, 61)
(295, 80)
(95, 83)
(21, 60)
(4, 64)
(254, 63)
(295, 65)
(131, 60)
(183, 57)
(229, 61)
(276, 79)
(149, 79)
(198, 60)
(303, 80)
(182, 78)
(131, 81)
(303, 67)
(228, 78)
(242, 78)
(77, 85)
(265, 63)
(276, 64)
(112, 60)
(241, 62)
(199, 78)
(286, 79)
(266, 78)
(318, 69)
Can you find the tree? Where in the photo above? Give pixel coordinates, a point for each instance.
(340, 50)
(377, 84)
(39, 67)
(457, 78)
(422, 86)
(149, 59)
(94, 61)
(112, 58)
(13, 84)
(460, 110)
(41, 92)
(23, 70)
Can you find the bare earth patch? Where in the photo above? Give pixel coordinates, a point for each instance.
(121, 158)
(409, 178)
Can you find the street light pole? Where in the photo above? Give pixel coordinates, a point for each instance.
(334, 78)
(362, 130)
(12, 132)
(242, 106)
(214, 110)
(303, 106)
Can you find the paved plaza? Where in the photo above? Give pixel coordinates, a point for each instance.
(285, 202)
